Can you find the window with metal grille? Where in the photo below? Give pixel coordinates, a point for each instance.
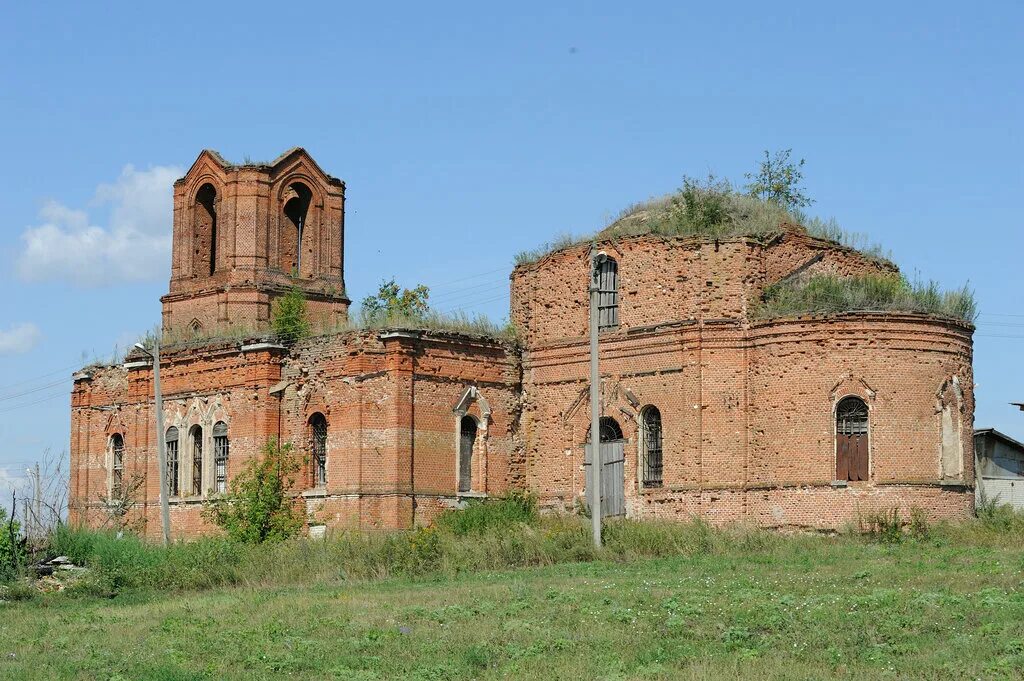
(173, 488)
(852, 439)
(318, 448)
(196, 435)
(609, 429)
(117, 467)
(606, 276)
(220, 455)
(651, 447)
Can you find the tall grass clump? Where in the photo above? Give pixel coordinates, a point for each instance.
(711, 208)
(487, 515)
(827, 293)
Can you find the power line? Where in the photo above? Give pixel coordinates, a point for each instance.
(35, 390)
(471, 276)
(39, 401)
(76, 365)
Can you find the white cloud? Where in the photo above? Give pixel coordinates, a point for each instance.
(135, 245)
(9, 481)
(19, 339)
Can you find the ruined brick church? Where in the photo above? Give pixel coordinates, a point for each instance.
(798, 421)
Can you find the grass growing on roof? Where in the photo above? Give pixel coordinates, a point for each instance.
(709, 209)
(825, 293)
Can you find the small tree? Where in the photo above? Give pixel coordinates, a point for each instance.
(258, 507)
(778, 180)
(291, 319)
(394, 302)
(12, 549)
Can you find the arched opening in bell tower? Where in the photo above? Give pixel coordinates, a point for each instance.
(293, 224)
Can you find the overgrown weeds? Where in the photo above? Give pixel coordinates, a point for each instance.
(711, 208)
(827, 293)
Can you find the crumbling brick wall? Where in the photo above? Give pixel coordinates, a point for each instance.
(388, 402)
(747, 406)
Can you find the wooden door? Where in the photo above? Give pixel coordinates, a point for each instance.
(613, 478)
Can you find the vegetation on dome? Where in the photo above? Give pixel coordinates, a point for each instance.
(713, 208)
(825, 294)
(393, 307)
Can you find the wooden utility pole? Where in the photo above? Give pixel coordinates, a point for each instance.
(595, 405)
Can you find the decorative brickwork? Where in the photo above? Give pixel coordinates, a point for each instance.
(411, 422)
(236, 243)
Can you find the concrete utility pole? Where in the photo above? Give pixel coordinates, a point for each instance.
(595, 405)
(161, 447)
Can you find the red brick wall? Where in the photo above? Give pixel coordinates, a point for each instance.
(373, 392)
(747, 407)
(252, 234)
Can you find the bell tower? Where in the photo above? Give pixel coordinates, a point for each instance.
(246, 234)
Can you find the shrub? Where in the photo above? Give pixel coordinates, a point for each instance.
(290, 320)
(258, 507)
(489, 515)
(828, 293)
(12, 549)
(393, 302)
(884, 525)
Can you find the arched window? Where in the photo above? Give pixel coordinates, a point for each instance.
(293, 224)
(318, 448)
(467, 440)
(851, 439)
(650, 446)
(173, 488)
(220, 455)
(204, 232)
(117, 465)
(610, 430)
(606, 275)
(196, 436)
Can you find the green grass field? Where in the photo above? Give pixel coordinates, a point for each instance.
(949, 606)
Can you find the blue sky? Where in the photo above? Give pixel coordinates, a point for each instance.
(466, 134)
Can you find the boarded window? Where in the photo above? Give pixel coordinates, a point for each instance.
(220, 455)
(173, 488)
(651, 447)
(467, 440)
(852, 439)
(196, 435)
(318, 448)
(607, 279)
(117, 465)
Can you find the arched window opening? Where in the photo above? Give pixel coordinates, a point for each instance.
(610, 430)
(196, 435)
(852, 439)
(467, 440)
(195, 327)
(296, 205)
(318, 448)
(173, 488)
(204, 231)
(650, 443)
(117, 465)
(220, 455)
(606, 277)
